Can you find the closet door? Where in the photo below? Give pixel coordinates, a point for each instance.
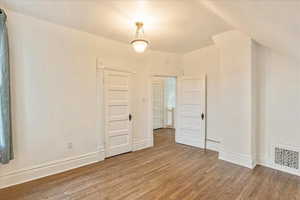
(118, 124)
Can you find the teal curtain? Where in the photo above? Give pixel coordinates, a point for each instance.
(6, 152)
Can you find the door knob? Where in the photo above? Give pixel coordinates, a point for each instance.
(130, 117)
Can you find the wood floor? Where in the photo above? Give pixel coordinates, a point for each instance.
(168, 171)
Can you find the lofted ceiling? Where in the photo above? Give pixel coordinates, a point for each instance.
(273, 23)
(171, 25)
(176, 26)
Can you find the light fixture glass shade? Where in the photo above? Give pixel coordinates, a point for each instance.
(139, 45)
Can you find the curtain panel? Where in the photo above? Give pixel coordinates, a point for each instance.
(6, 152)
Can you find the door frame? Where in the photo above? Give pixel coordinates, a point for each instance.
(150, 111)
(100, 124)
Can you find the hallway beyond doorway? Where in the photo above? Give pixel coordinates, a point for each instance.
(164, 137)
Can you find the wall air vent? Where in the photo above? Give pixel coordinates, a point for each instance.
(287, 158)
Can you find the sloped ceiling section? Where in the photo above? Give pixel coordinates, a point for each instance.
(171, 25)
(273, 23)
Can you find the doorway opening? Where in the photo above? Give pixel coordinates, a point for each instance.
(163, 109)
(188, 125)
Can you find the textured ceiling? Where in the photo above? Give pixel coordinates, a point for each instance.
(170, 25)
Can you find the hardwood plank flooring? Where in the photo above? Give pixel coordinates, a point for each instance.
(168, 171)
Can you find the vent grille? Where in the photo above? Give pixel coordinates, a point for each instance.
(287, 158)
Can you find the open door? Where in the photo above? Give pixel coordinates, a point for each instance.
(118, 127)
(191, 114)
(158, 103)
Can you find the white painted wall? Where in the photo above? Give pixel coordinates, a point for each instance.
(236, 97)
(54, 95)
(277, 79)
(279, 103)
(228, 90)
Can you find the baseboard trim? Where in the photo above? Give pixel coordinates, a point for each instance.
(213, 146)
(51, 168)
(141, 144)
(237, 158)
(55, 167)
(267, 163)
(187, 141)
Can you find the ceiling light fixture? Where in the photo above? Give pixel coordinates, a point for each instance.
(139, 44)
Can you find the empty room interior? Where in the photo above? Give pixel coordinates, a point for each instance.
(149, 99)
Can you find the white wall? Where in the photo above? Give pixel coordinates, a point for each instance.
(236, 92)
(228, 93)
(54, 95)
(279, 104)
(277, 79)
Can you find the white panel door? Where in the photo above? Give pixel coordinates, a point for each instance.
(191, 111)
(118, 130)
(158, 103)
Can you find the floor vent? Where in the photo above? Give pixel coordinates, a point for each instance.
(287, 158)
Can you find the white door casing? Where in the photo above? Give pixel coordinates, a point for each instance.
(118, 127)
(158, 103)
(190, 111)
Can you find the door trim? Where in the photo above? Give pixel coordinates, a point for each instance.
(102, 66)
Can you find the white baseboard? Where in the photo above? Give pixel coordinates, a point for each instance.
(263, 161)
(210, 145)
(43, 170)
(213, 146)
(141, 144)
(55, 167)
(187, 141)
(237, 158)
